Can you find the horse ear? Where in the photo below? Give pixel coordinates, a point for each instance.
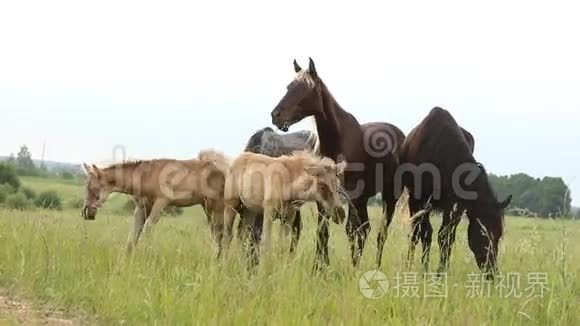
(87, 169)
(297, 68)
(97, 171)
(504, 204)
(311, 67)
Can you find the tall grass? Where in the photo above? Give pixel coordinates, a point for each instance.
(173, 278)
(56, 258)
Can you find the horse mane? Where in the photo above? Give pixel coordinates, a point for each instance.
(212, 155)
(219, 159)
(304, 76)
(311, 158)
(313, 138)
(126, 164)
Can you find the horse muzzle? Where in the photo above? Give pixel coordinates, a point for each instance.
(281, 125)
(278, 120)
(89, 213)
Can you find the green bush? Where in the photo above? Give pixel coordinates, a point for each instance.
(76, 203)
(28, 192)
(48, 199)
(3, 195)
(5, 191)
(8, 175)
(67, 175)
(18, 201)
(7, 188)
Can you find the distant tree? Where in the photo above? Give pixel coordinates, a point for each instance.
(8, 176)
(24, 163)
(11, 159)
(24, 159)
(555, 197)
(549, 196)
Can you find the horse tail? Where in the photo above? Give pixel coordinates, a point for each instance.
(403, 207)
(404, 211)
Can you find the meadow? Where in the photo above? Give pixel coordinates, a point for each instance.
(56, 259)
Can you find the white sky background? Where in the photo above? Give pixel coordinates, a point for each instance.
(167, 79)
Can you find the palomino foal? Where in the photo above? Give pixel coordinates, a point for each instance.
(280, 185)
(156, 184)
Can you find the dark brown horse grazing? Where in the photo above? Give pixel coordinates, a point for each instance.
(451, 219)
(439, 146)
(371, 152)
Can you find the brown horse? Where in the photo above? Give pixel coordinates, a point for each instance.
(267, 142)
(156, 184)
(371, 152)
(275, 186)
(451, 216)
(439, 146)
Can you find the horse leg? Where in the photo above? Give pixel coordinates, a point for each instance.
(243, 224)
(205, 205)
(357, 228)
(154, 215)
(255, 226)
(285, 225)
(224, 227)
(322, 260)
(246, 236)
(446, 236)
(389, 205)
(138, 222)
(414, 208)
(287, 221)
(269, 212)
(426, 234)
(296, 229)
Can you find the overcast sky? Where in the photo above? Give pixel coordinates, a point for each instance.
(167, 79)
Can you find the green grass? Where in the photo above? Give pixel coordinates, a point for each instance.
(56, 258)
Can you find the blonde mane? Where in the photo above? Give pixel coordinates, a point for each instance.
(212, 155)
(304, 76)
(313, 138)
(311, 158)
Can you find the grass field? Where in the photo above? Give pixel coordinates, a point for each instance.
(55, 258)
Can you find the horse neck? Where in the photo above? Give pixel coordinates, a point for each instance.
(329, 124)
(119, 178)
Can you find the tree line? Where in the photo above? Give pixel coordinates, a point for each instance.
(532, 197)
(24, 165)
(545, 197)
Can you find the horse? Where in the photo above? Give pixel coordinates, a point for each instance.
(371, 152)
(266, 141)
(440, 146)
(278, 185)
(156, 184)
